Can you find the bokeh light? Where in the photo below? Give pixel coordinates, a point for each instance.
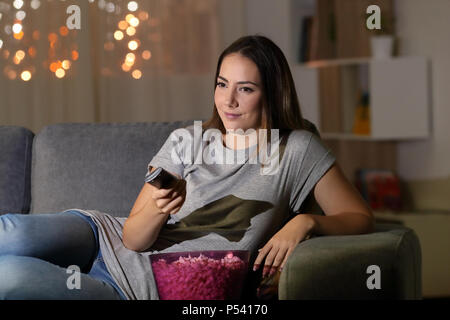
(26, 75)
(137, 74)
(60, 73)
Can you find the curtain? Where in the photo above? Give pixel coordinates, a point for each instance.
(129, 61)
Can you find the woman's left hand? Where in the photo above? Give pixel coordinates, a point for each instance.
(280, 246)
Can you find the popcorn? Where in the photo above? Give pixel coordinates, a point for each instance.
(200, 278)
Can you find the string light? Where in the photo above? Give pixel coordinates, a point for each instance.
(26, 75)
(126, 21)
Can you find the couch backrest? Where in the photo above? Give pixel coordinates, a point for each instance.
(15, 169)
(97, 166)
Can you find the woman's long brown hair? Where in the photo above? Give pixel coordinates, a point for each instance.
(281, 109)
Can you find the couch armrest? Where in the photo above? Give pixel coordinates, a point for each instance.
(335, 267)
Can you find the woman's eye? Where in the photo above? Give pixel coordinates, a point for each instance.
(220, 84)
(247, 89)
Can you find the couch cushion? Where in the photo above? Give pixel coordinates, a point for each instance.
(94, 166)
(15, 166)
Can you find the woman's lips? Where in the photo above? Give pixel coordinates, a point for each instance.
(232, 115)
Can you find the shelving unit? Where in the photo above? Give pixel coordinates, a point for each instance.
(399, 108)
(398, 90)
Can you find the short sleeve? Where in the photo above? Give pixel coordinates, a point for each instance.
(317, 160)
(170, 155)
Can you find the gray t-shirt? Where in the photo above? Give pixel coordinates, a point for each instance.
(229, 206)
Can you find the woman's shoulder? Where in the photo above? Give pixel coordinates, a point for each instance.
(299, 138)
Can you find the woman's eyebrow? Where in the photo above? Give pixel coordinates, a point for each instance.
(239, 82)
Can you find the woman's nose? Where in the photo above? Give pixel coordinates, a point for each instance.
(231, 99)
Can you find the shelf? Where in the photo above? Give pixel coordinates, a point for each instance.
(356, 137)
(352, 137)
(347, 62)
(334, 62)
(330, 91)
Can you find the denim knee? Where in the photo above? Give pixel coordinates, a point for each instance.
(13, 235)
(14, 275)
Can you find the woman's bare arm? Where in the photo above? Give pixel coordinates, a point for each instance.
(345, 210)
(149, 213)
(345, 213)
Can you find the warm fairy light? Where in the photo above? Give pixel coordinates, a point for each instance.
(122, 25)
(131, 31)
(26, 75)
(133, 45)
(19, 35)
(17, 28)
(118, 35)
(35, 4)
(32, 51)
(1, 43)
(60, 73)
(143, 15)
(18, 4)
(52, 37)
(129, 17)
(20, 54)
(54, 66)
(130, 57)
(132, 6)
(146, 54)
(18, 57)
(20, 15)
(75, 55)
(137, 74)
(126, 67)
(134, 22)
(66, 64)
(64, 31)
(129, 60)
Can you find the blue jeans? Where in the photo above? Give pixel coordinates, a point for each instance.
(38, 253)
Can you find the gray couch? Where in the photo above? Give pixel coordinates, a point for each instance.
(101, 166)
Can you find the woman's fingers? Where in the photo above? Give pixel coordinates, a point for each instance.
(262, 253)
(174, 205)
(171, 200)
(275, 258)
(279, 258)
(269, 260)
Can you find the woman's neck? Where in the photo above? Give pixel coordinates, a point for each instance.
(237, 141)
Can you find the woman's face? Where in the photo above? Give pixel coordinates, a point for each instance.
(238, 95)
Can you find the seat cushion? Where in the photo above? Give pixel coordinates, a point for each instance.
(91, 166)
(15, 166)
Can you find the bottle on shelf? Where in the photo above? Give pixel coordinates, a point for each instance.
(361, 125)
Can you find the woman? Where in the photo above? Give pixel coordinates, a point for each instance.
(215, 204)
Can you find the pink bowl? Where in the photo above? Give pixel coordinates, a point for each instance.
(200, 275)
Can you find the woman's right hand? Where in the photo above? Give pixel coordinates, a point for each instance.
(171, 200)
